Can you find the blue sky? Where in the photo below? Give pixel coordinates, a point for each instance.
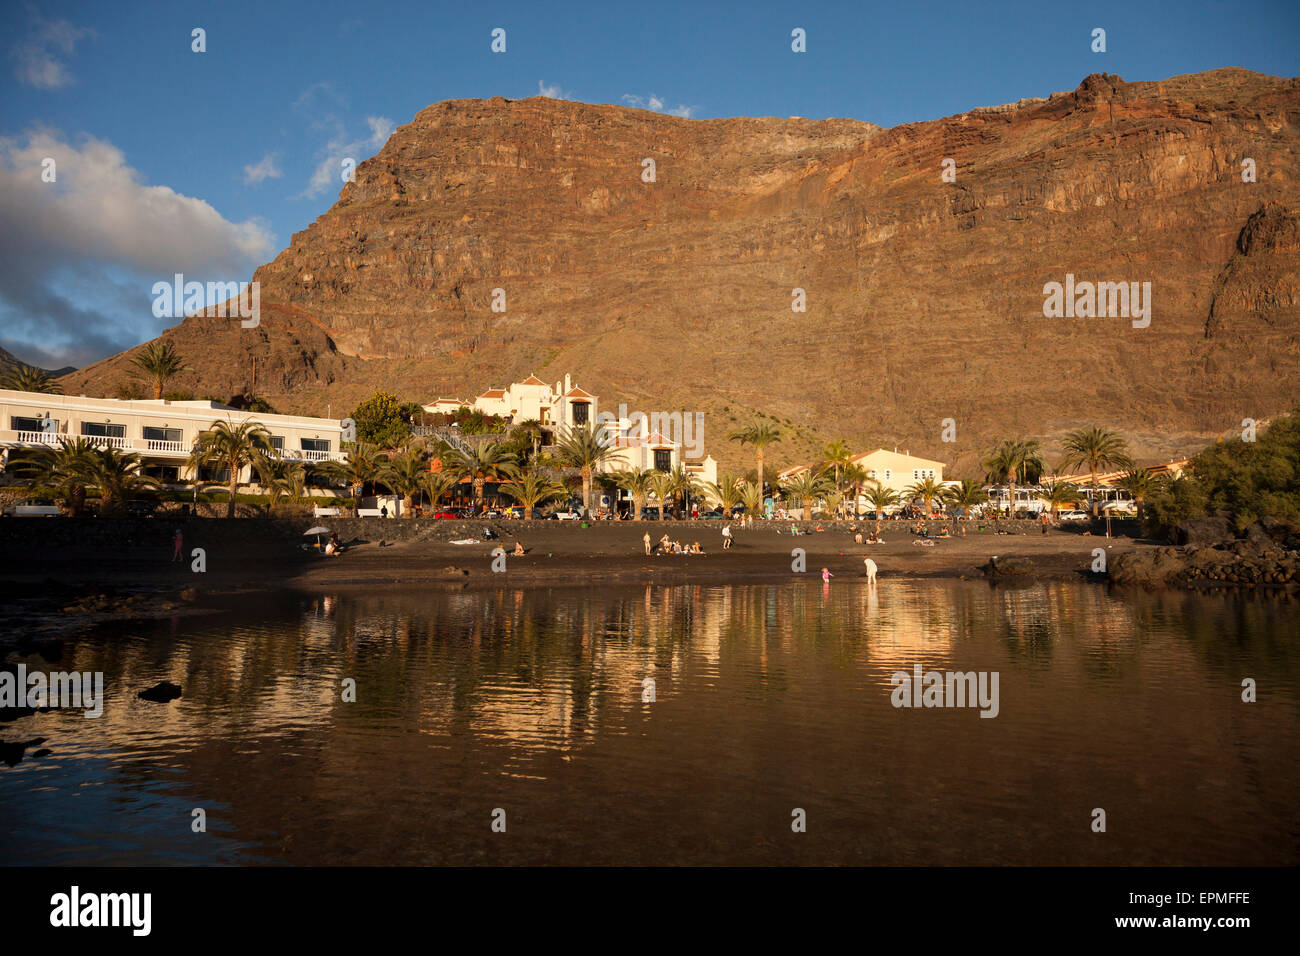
(170, 160)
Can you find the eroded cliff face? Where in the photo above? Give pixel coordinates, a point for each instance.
(924, 297)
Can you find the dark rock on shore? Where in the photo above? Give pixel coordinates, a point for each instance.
(162, 692)
(998, 568)
(1267, 555)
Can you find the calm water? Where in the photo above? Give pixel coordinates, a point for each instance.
(768, 698)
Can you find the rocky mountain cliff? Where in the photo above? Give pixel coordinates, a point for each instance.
(924, 297)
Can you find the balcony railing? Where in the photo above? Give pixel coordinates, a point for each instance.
(147, 446)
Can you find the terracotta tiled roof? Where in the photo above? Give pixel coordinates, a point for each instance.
(532, 380)
(576, 392)
(494, 393)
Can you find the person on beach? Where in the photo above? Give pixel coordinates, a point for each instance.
(857, 538)
(826, 575)
(178, 545)
(665, 543)
(871, 570)
(696, 549)
(1043, 521)
(726, 538)
(519, 548)
(646, 540)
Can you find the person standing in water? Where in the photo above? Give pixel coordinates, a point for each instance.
(826, 575)
(646, 541)
(871, 570)
(726, 538)
(178, 543)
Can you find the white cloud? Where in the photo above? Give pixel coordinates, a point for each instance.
(265, 168)
(74, 251)
(39, 58)
(554, 91)
(329, 169)
(656, 103)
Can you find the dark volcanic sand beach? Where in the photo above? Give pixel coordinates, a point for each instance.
(61, 573)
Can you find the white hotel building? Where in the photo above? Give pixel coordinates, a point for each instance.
(161, 432)
(563, 405)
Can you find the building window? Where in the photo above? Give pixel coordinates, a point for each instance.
(216, 473)
(580, 410)
(663, 459)
(161, 434)
(163, 473)
(20, 423)
(315, 444)
(887, 474)
(277, 442)
(102, 430)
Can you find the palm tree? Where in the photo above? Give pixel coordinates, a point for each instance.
(362, 468)
(760, 435)
(278, 478)
(1139, 483)
(65, 469)
(806, 487)
(531, 430)
(729, 492)
(684, 483)
(965, 495)
(225, 445)
(159, 361)
(854, 476)
(531, 486)
(117, 475)
(581, 447)
(661, 486)
(879, 498)
(1097, 448)
(404, 475)
(1057, 493)
(21, 377)
(927, 489)
(835, 456)
(638, 482)
(483, 462)
(752, 498)
(1013, 460)
(435, 484)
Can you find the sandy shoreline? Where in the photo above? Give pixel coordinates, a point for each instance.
(62, 578)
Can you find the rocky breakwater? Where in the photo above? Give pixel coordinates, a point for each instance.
(1267, 555)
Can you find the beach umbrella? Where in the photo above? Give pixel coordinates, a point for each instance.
(317, 531)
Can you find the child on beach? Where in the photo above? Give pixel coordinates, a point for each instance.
(179, 542)
(826, 575)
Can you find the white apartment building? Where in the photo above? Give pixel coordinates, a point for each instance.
(564, 405)
(162, 432)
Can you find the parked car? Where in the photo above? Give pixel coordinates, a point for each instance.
(1072, 514)
(33, 508)
(1120, 509)
(447, 515)
(566, 516)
